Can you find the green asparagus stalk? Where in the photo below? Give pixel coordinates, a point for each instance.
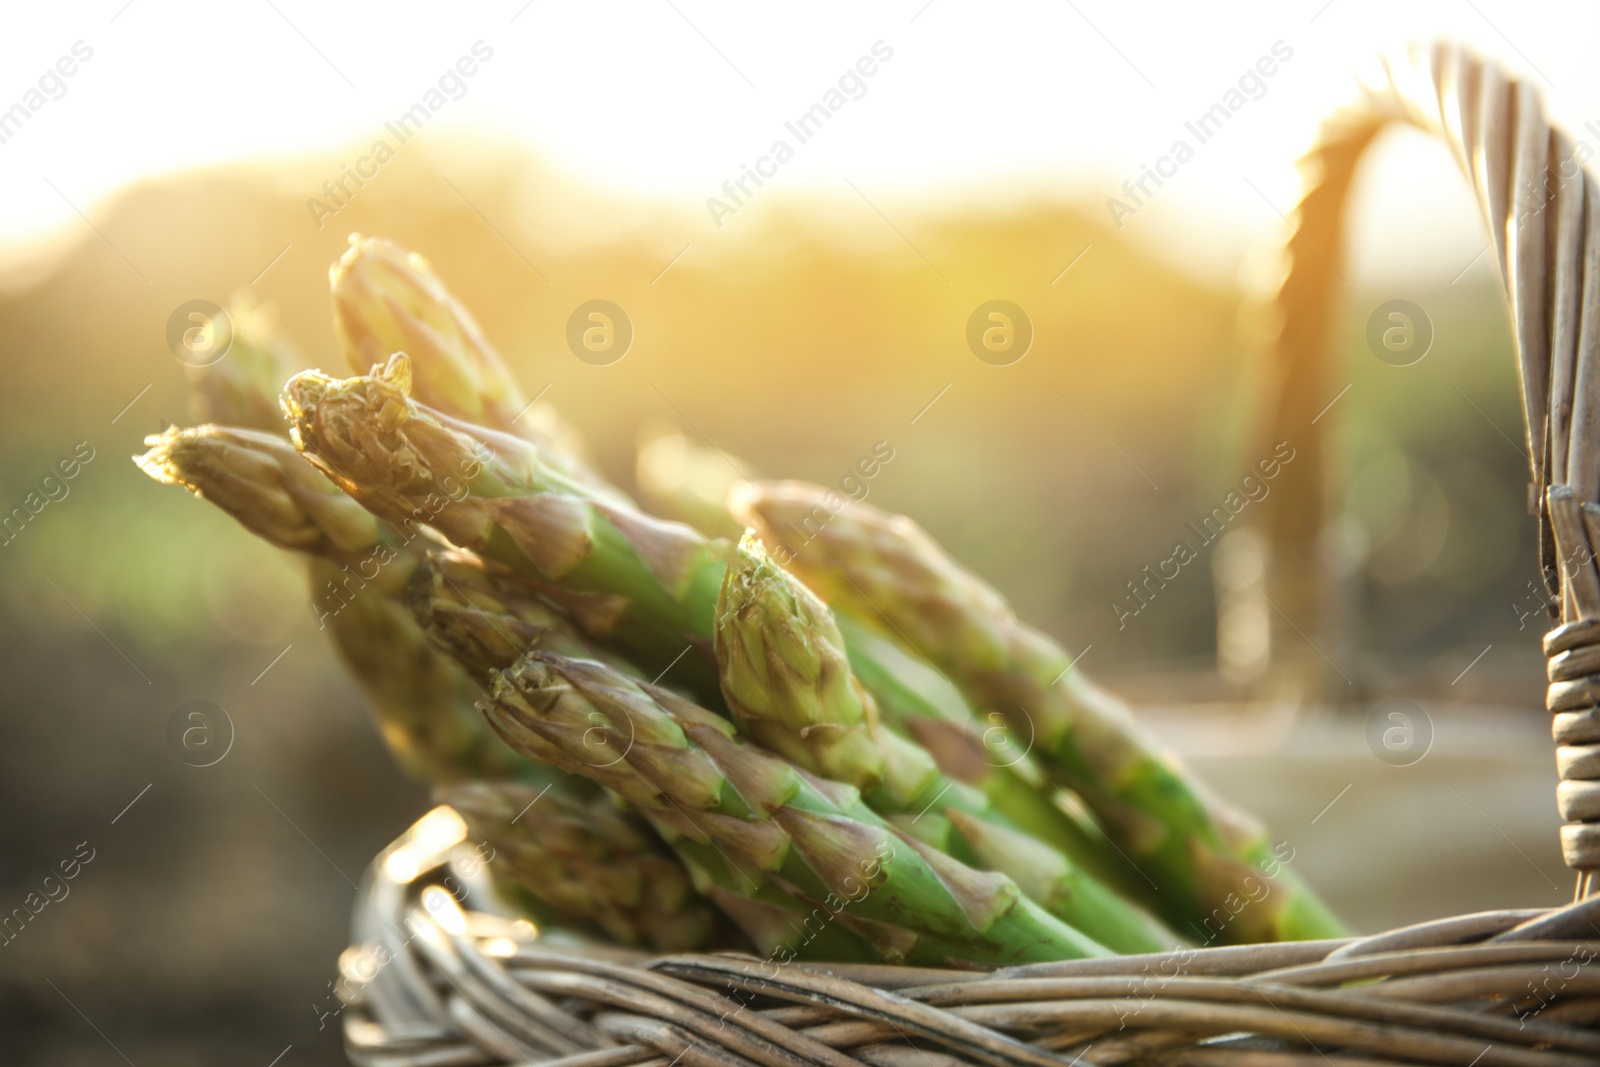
(263, 483)
(484, 616)
(1200, 853)
(422, 705)
(388, 300)
(917, 701)
(681, 764)
(681, 481)
(645, 586)
(420, 702)
(585, 859)
(790, 688)
(241, 388)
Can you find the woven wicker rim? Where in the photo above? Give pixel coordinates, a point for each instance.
(438, 976)
(434, 982)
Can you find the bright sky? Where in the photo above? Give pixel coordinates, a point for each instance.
(671, 97)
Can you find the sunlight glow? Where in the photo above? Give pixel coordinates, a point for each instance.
(984, 104)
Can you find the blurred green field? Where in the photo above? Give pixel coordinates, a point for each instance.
(795, 347)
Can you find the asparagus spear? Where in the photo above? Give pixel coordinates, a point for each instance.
(681, 481)
(789, 686)
(484, 617)
(1200, 853)
(919, 702)
(423, 705)
(241, 388)
(586, 859)
(680, 764)
(263, 483)
(388, 300)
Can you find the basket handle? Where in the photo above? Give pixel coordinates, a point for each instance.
(1543, 217)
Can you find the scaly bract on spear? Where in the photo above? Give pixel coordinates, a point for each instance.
(484, 617)
(692, 482)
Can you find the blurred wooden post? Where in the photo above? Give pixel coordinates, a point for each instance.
(1543, 219)
(1244, 622)
(1299, 405)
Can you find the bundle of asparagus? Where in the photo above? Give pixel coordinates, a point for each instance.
(705, 738)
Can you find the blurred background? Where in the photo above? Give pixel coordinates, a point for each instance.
(595, 153)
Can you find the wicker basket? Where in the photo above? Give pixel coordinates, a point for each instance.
(437, 975)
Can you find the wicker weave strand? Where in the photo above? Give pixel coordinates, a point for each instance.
(1573, 649)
